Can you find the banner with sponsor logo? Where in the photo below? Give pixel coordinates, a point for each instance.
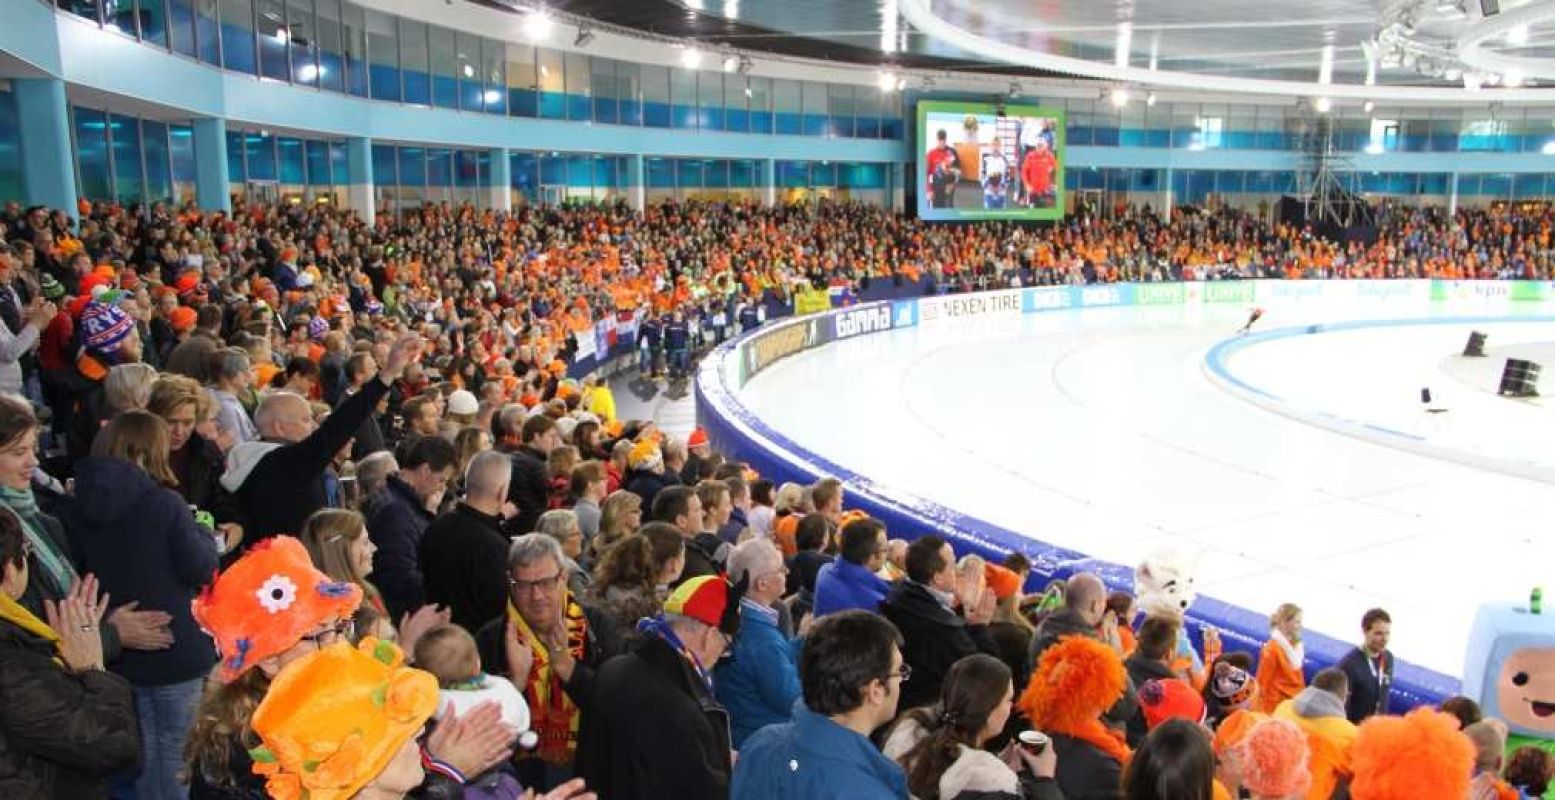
(867, 318)
(904, 313)
(1229, 291)
(1006, 303)
(1047, 298)
(1106, 294)
(762, 351)
(1160, 294)
(1470, 290)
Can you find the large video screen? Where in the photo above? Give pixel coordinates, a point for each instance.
(976, 163)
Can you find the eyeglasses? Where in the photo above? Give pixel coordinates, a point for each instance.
(540, 585)
(345, 629)
(904, 672)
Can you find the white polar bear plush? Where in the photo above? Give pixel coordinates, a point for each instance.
(1164, 584)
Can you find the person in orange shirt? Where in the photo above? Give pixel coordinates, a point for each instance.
(1280, 661)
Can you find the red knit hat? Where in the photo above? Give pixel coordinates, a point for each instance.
(187, 283)
(698, 438)
(1170, 699)
(183, 318)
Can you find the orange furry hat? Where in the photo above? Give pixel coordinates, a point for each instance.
(1076, 680)
(1421, 754)
(1273, 757)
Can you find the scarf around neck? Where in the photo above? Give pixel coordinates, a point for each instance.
(56, 566)
(660, 627)
(1296, 654)
(555, 714)
(18, 615)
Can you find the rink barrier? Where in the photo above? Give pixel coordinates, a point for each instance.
(734, 430)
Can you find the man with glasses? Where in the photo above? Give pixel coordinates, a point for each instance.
(760, 683)
(850, 581)
(851, 674)
(398, 516)
(549, 645)
(653, 728)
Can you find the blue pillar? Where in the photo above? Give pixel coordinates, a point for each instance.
(769, 180)
(639, 186)
(359, 168)
(212, 183)
(48, 168)
(501, 180)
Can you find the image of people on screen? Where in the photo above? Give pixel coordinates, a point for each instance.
(944, 170)
(1038, 162)
(995, 175)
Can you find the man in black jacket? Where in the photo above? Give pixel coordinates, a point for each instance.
(464, 552)
(529, 489)
(397, 517)
(549, 645)
(1370, 668)
(1084, 613)
(1150, 661)
(681, 507)
(279, 479)
(654, 729)
(934, 636)
(369, 437)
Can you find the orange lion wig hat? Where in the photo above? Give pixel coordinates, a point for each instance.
(1076, 680)
(1421, 754)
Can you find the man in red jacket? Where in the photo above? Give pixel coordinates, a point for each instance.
(1036, 172)
(944, 170)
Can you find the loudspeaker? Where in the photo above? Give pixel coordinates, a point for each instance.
(1489, 8)
(1520, 378)
(1476, 346)
(1425, 395)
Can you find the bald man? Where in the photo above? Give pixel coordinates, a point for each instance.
(279, 479)
(1084, 613)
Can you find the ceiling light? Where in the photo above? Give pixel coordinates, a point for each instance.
(1513, 78)
(1368, 106)
(307, 73)
(1119, 97)
(1322, 105)
(469, 71)
(1517, 35)
(1125, 41)
(731, 9)
(731, 63)
(747, 91)
(1548, 148)
(886, 81)
(691, 58)
(585, 35)
(1150, 99)
(282, 34)
(538, 25)
(1375, 148)
(745, 65)
(491, 96)
(1325, 67)
(901, 84)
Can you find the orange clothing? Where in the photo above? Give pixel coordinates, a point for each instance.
(1329, 739)
(1129, 642)
(784, 530)
(1278, 679)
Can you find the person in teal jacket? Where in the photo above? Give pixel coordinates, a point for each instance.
(759, 684)
(851, 673)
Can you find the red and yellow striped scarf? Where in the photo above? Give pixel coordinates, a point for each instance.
(554, 714)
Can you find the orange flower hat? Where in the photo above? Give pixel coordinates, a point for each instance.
(266, 601)
(1075, 681)
(333, 721)
(1421, 754)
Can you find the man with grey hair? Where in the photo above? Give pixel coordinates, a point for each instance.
(463, 551)
(760, 684)
(550, 646)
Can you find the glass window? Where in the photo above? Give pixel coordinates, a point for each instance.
(207, 26)
(553, 170)
(92, 153)
(468, 170)
(413, 168)
(891, 116)
(580, 178)
(119, 16)
(414, 64)
(523, 90)
(181, 160)
(353, 25)
(715, 174)
(576, 70)
(439, 167)
(689, 173)
(840, 99)
(629, 92)
(274, 35)
(758, 92)
(710, 101)
(471, 72)
(385, 165)
(293, 171)
(736, 103)
(159, 167)
(602, 81)
(446, 66)
(523, 176)
(786, 107)
(237, 36)
(494, 95)
(815, 109)
(260, 153)
(553, 97)
(866, 109)
(153, 21)
(124, 140)
(656, 96)
(237, 172)
(683, 98)
(793, 174)
(317, 157)
(330, 47)
(81, 8)
(383, 53)
(340, 164)
(304, 40)
(823, 173)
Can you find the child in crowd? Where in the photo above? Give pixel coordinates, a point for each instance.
(449, 653)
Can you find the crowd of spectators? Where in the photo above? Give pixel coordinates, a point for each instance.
(302, 507)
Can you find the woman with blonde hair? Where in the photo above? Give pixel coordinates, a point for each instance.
(619, 517)
(137, 535)
(195, 460)
(469, 441)
(339, 546)
(1279, 662)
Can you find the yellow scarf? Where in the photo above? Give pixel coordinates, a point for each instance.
(16, 614)
(554, 714)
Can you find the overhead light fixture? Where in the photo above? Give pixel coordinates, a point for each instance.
(491, 96)
(282, 34)
(585, 35)
(307, 73)
(1325, 67)
(1471, 82)
(1513, 78)
(1374, 149)
(469, 71)
(745, 66)
(690, 58)
(1548, 148)
(1150, 99)
(1119, 97)
(1368, 106)
(1517, 35)
(538, 25)
(901, 84)
(886, 81)
(731, 63)
(1125, 42)
(1322, 105)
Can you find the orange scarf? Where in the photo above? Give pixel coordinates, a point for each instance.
(554, 714)
(1098, 735)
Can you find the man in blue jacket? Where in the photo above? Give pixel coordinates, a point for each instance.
(760, 683)
(851, 675)
(850, 581)
(398, 516)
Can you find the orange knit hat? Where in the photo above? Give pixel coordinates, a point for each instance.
(182, 318)
(333, 721)
(1004, 582)
(266, 601)
(1421, 754)
(1234, 727)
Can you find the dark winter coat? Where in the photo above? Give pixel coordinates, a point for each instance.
(934, 637)
(463, 560)
(1085, 772)
(61, 732)
(647, 485)
(529, 490)
(40, 588)
(396, 520)
(143, 544)
(1141, 671)
(199, 479)
(653, 730)
(701, 557)
(1068, 622)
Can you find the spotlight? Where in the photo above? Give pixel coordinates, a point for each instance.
(1548, 149)
(585, 35)
(491, 96)
(1150, 99)
(691, 58)
(538, 25)
(469, 71)
(1368, 106)
(886, 81)
(1322, 105)
(731, 63)
(1119, 97)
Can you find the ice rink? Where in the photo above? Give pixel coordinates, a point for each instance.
(1303, 468)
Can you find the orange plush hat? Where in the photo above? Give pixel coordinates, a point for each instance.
(1004, 582)
(1074, 683)
(1421, 754)
(333, 721)
(1273, 759)
(266, 601)
(182, 318)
